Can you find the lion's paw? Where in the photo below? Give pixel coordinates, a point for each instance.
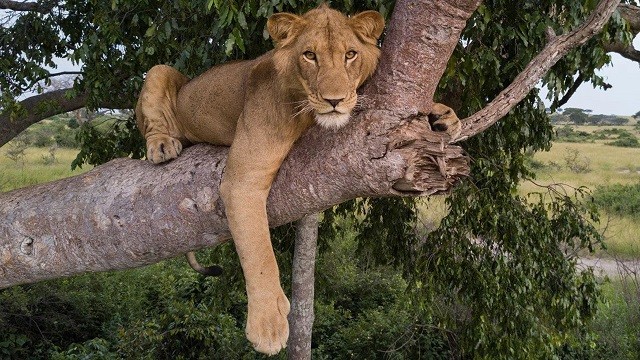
(161, 148)
(267, 325)
(443, 118)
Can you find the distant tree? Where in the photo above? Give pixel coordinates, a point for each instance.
(557, 118)
(636, 115)
(606, 120)
(577, 116)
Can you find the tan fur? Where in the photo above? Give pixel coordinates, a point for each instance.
(260, 108)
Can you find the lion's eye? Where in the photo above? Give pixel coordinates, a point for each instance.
(309, 55)
(350, 55)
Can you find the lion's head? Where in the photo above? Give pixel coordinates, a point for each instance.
(325, 56)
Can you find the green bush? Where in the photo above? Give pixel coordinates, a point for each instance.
(568, 134)
(619, 199)
(626, 142)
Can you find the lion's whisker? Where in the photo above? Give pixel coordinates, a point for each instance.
(307, 108)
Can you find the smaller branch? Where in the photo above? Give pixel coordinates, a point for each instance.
(49, 76)
(65, 73)
(627, 51)
(631, 14)
(27, 6)
(39, 107)
(36, 108)
(558, 47)
(572, 90)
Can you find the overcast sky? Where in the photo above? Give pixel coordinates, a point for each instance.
(624, 96)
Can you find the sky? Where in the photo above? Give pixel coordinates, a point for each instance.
(624, 96)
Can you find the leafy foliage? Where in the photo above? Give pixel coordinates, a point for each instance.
(619, 199)
(495, 280)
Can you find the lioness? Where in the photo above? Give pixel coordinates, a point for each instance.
(260, 108)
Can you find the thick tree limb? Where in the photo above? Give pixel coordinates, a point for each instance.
(42, 106)
(38, 6)
(557, 47)
(129, 213)
(420, 39)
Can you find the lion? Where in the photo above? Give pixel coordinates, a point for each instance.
(260, 108)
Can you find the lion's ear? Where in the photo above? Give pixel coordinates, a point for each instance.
(368, 25)
(283, 26)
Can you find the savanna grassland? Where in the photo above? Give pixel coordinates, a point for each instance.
(605, 160)
(36, 167)
(593, 162)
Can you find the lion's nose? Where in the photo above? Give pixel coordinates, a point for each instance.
(333, 102)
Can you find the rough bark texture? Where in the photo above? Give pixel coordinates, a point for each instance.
(27, 6)
(419, 41)
(129, 213)
(302, 289)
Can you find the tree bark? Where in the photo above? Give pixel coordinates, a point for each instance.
(37, 108)
(27, 6)
(418, 44)
(556, 48)
(129, 213)
(302, 289)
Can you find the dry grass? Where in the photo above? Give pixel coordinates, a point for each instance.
(608, 165)
(32, 170)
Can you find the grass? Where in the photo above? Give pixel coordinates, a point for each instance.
(607, 165)
(617, 319)
(591, 128)
(31, 169)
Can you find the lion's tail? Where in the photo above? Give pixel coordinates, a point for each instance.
(213, 270)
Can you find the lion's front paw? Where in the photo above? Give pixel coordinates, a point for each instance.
(162, 148)
(443, 118)
(267, 325)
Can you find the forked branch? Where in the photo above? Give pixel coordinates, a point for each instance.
(556, 48)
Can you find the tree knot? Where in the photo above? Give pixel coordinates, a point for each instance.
(26, 246)
(433, 165)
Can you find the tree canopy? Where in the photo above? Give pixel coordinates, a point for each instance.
(503, 264)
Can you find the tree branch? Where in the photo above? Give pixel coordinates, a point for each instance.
(557, 47)
(49, 76)
(632, 15)
(572, 90)
(42, 106)
(420, 39)
(37, 108)
(27, 6)
(129, 213)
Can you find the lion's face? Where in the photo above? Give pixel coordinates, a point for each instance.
(326, 56)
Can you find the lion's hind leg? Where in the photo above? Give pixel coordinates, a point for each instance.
(156, 113)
